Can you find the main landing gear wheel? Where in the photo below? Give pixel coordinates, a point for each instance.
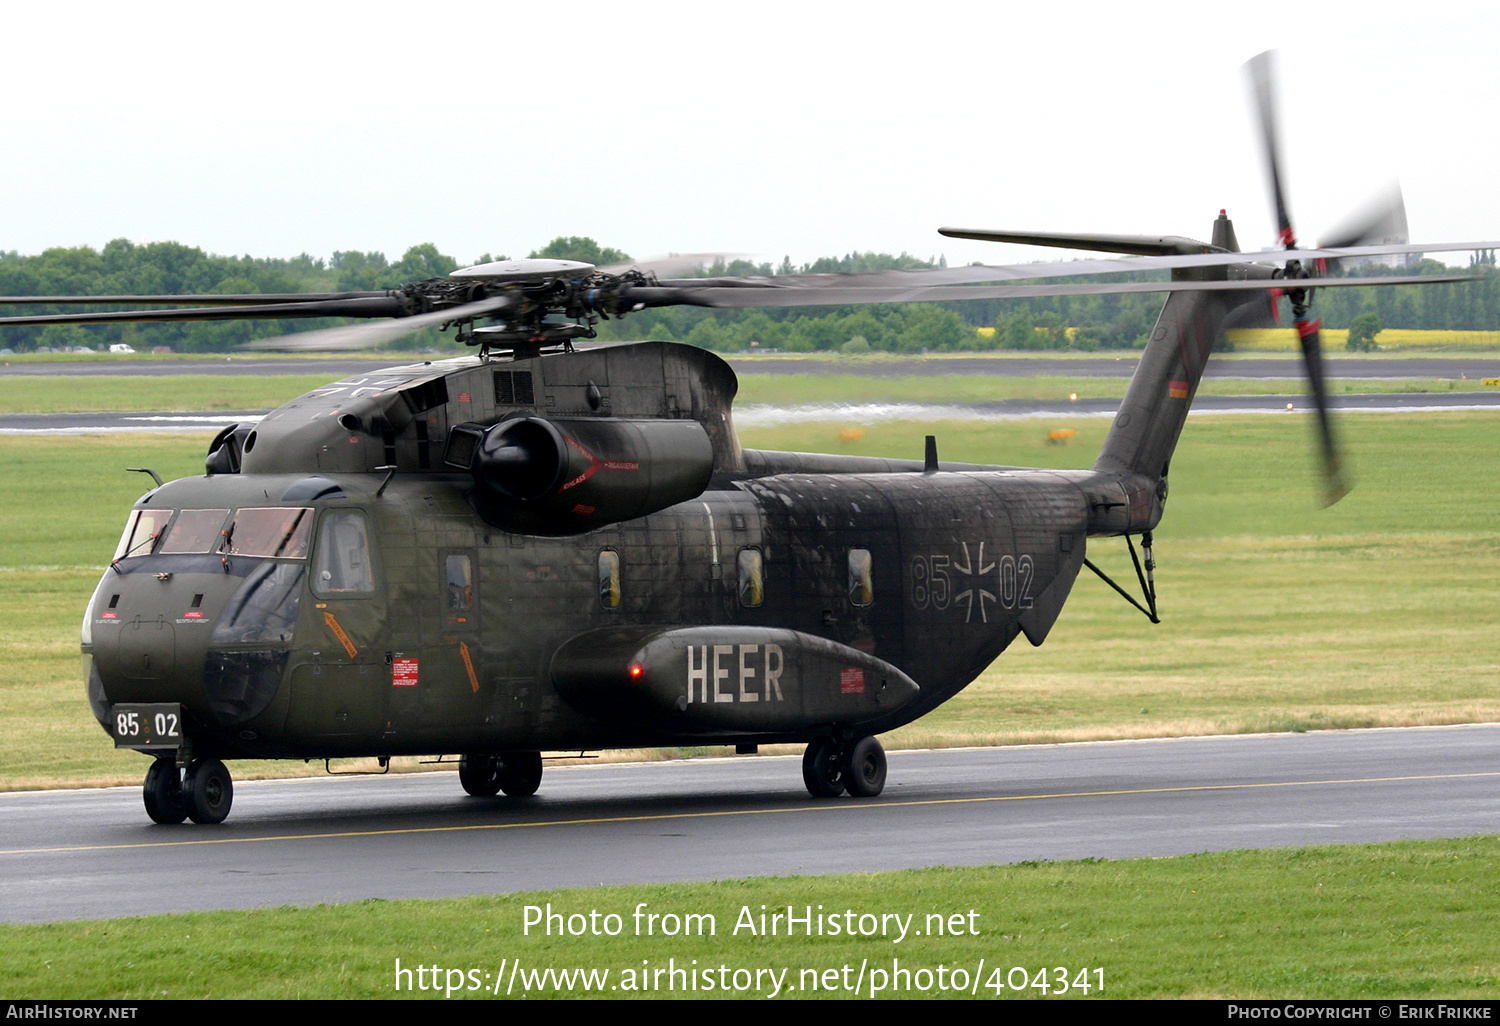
(208, 791)
(823, 768)
(864, 770)
(520, 773)
(479, 773)
(163, 793)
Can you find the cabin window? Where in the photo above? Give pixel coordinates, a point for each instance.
(752, 578)
(861, 579)
(275, 532)
(458, 571)
(609, 579)
(195, 530)
(343, 560)
(141, 532)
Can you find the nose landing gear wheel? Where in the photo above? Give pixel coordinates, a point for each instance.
(208, 791)
(479, 774)
(823, 768)
(864, 774)
(163, 793)
(520, 773)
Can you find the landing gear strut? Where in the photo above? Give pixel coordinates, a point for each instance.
(831, 767)
(518, 774)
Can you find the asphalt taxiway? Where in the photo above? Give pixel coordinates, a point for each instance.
(93, 853)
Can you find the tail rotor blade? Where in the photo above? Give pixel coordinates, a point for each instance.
(1335, 482)
(1381, 220)
(1262, 72)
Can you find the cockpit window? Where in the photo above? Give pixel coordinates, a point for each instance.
(276, 532)
(609, 579)
(752, 578)
(141, 532)
(861, 578)
(342, 565)
(459, 572)
(195, 530)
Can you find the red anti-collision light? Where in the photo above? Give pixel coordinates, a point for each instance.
(636, 669)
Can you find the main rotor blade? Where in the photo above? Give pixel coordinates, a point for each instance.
(386, 306)
(977, 273)
(1262, 72)
(391, 304)
(247, 299)
(368, 336)
(676, 263)
(770, 296)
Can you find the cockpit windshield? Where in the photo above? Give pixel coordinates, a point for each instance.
(195, 530)
(279, 532)
(141, 532)
(275, 532)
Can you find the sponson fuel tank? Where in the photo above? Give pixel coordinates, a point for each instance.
(726, 678)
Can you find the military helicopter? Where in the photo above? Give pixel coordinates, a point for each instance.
(549, 547)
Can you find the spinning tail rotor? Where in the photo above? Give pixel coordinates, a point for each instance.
(1262, 80)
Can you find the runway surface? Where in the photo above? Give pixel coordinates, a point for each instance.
(93, 854)
(1116, 365)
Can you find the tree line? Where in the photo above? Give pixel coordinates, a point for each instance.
(1064, 322)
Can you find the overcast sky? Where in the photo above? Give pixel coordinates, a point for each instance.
(767, 129)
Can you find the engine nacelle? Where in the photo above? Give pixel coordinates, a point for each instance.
(227, 451)
(571, 475)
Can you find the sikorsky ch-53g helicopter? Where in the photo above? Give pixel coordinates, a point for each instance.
(546, 547)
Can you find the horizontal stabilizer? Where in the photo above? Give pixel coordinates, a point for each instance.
(1137, 245)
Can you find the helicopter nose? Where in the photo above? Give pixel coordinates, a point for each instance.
(148, 650)
(217, 642)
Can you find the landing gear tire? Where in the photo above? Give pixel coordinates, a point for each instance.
(162, 791)
(864, 771)
(823, 768)
(208, 791)
(480, 774)
(520, 773)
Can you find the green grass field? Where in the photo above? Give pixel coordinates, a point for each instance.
(193, 392)
(1408, 920)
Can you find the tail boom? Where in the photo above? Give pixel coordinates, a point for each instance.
(1131, 472)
